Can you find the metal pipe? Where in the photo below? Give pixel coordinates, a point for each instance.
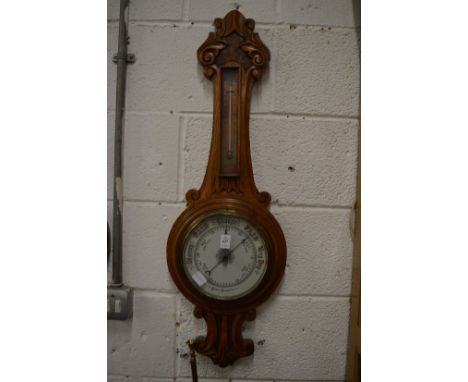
(117, 206)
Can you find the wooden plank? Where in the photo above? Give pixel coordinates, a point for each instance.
(353, 364)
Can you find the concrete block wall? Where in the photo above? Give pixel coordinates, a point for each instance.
(304, 135)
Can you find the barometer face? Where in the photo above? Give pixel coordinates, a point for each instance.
(224, 256)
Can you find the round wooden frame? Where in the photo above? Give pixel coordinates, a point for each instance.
(269, 228)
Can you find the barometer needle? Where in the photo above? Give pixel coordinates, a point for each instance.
(242, 242)
(224, 258)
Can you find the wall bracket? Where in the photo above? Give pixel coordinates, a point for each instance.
(129, 58)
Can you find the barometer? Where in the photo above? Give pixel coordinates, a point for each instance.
(226, 252)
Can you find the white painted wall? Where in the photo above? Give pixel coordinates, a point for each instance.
(304, 117)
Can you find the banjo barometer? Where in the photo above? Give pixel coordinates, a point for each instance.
(226, 252)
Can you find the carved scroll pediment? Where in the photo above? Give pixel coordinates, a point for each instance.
(234, 22)
(234, 40)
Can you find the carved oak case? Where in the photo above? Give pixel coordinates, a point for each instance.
(227, 281)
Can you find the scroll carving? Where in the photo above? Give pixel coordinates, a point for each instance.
(192, 196)
(224, 342)
(234, 40)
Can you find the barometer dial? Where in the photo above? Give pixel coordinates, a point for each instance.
(224, 256)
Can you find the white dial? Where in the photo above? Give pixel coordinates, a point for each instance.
(224, 256)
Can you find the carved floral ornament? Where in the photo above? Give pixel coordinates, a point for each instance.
(234, 34)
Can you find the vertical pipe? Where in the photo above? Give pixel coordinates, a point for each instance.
(119, 113)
